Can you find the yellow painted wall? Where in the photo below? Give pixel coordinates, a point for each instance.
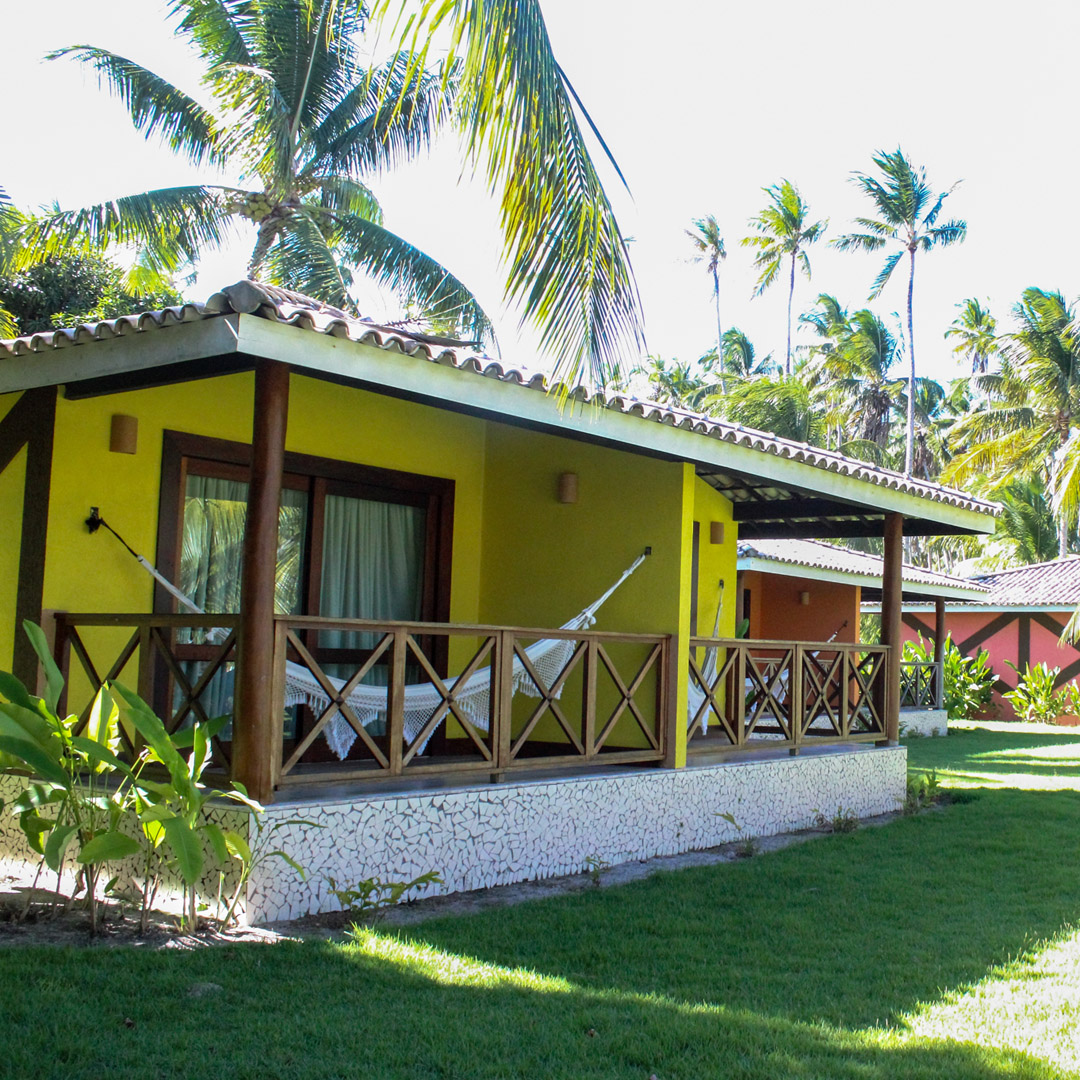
(12, 481)
(716, 562)
(544, 561)
(372, 429)
(7, 403)
(520, 557)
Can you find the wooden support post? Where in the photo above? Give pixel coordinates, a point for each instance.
(740, 614)
(939, 652)
(891, 590)
(256, 710)
(670, 718)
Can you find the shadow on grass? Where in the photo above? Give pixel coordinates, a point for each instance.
(386, 1009)
(1000, 757)
(852, 931)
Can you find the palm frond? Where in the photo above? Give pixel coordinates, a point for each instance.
(568, 262)
(156, 106)
(219, 28)
(884, 274)
(858, 242)
(169, 225)
(398, 265)
(389, 117)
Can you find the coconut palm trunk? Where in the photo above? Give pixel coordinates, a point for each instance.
(790, 298)
(909, 448)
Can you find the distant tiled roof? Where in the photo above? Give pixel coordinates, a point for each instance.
(1048, 584)
(280, 306)
(819, 555)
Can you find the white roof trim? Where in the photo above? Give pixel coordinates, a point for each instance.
(848, 577)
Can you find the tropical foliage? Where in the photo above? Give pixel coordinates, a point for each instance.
(62, 290)
(783, 232)
(295, 115)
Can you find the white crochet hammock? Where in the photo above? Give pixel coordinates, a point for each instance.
(473, 696)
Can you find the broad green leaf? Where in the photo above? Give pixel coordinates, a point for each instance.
(33, 826)
(238, 846)
(34, 757)
(185, 845)
(38, 795)
(15, 692)
(107, 846)
(57, 845)
(54, 681)
(98, 753)
(217, 842)
(18, 721)
(158, 813)
(104, 718)
(157, 738)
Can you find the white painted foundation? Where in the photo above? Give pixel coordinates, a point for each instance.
(497, 834)
(923, 722)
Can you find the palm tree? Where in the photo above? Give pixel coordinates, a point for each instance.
(851, 365)
(975, 331)
(709, 249)
(1027, 428)
(785, 405)
(907, 213)
(740, 359)
(783, 232)
(302, 123)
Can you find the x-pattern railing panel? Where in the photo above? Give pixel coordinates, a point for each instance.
(794, 692)
(727, 680)
(919, 684)
(769, 686)
(627, 699)
(161, 679)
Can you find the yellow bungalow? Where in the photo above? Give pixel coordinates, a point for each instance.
(390, 552)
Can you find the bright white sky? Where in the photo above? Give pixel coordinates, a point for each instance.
(703, 105)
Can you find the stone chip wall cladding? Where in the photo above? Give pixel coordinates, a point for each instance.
(14, 849)
(924, 722)
(499, 834)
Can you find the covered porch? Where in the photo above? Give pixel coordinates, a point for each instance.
(385, 536)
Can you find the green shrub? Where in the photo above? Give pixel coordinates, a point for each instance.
(88, 807)
(1036, 699)
(969, 681)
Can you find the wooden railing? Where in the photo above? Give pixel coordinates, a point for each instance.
(784, 693)
(921, 685)
(182, 665)
(603, 699)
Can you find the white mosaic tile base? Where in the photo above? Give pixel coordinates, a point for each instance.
(15, 852)
(924, 722)
(496, 834)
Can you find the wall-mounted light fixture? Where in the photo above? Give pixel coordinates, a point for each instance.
(568, 487)
(804, 599)
(124, 434)
(716, 532)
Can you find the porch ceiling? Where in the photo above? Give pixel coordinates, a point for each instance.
(765, 511)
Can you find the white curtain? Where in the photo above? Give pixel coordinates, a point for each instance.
(373, 565)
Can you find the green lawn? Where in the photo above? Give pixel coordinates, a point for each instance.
(939, 946)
